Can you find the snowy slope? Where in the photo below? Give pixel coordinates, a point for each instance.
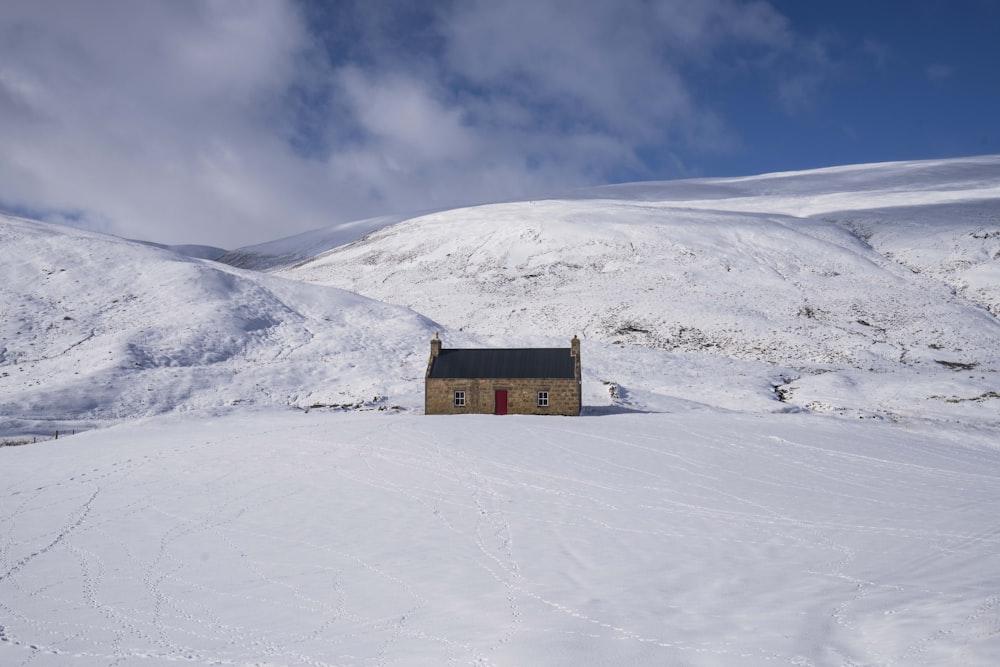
(934, 216)
(283, 538)
(754, 286)
(818, 191)
(809, 272)
(876, 312)
(95, 329)
(293, 249)
(195, 251)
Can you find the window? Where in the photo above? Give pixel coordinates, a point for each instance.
(543, 399)
(459, 399)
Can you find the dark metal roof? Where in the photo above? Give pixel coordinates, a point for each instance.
(535, 362)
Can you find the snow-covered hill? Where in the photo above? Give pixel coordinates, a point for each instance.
(688, 295)
(95, 329)
(287, 251)
(889, 269)
(195, 251)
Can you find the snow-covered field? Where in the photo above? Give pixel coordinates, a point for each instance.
(282, 538)
(790, 452)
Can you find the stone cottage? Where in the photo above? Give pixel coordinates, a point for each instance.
(522, 381)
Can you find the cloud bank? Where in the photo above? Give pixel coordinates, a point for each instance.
(232, 122)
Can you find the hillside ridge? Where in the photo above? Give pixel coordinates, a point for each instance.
(885, 313)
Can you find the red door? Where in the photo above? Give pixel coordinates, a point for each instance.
(501, 402)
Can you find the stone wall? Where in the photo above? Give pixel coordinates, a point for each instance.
(522, 396)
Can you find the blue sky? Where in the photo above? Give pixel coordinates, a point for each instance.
(231, 122)
(906, 80)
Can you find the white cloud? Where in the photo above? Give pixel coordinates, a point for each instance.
(120, 110)
(401, 114)
(586, 65)
(238, 121)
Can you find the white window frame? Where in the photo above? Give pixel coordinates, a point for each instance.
(543, 399)
(459, 399)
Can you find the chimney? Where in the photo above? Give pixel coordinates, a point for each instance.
(574, 347)
(435, 346)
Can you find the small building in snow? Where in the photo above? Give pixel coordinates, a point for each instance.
(521, 381)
